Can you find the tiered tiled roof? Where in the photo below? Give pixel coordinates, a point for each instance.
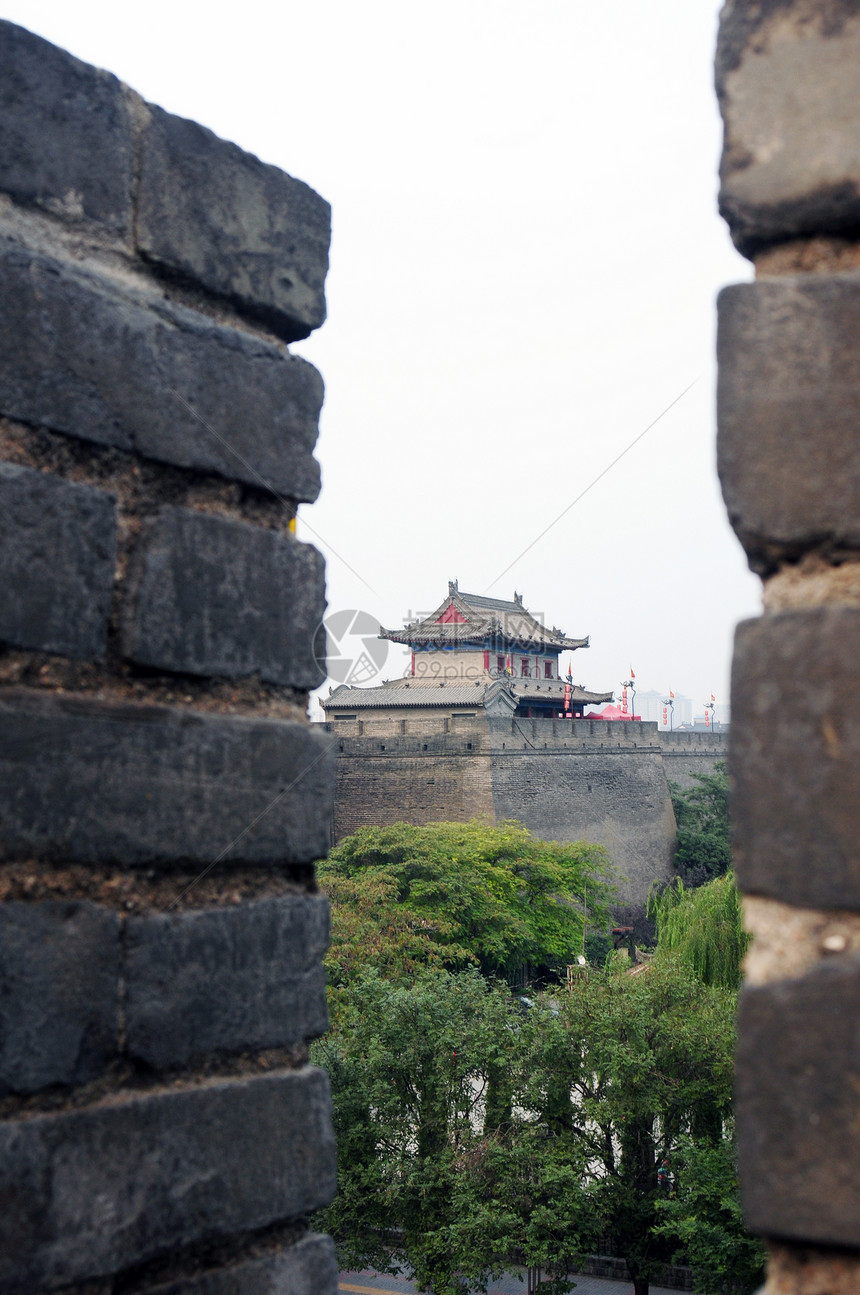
(475, 619)
(535, 690)
(479, 693)
(408, 693)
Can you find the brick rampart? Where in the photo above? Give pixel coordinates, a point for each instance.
(788, 417)
(566, 780)
(162, 795)
(687, 754)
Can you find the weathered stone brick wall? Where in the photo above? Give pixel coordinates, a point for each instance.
(566, 780)
(162, 795)
(789, 413)
(590, 780)
(431, 777)
(687, 754)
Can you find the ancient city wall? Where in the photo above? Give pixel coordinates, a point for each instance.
(687, 754)
(162, 796)
(788, 416)
(590, 780)
(566, 780)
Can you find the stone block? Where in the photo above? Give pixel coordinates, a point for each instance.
(788, 408)
(67, 144)
(213, 214)
(131, 370)
(787, 84)
(225, 979)
(794, 757)
(307, 1268)
(217, 597)
(91, 1191)
(91, 781)
(59, 985)
(797, 1078)
(57, 553)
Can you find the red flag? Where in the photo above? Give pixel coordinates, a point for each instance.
(671, 694)
(632, 675)
(713, 698)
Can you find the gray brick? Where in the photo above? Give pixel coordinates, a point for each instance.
(59, 984)
(798, 1133)
(307, 1268)
(214, 214)
(787, 85)
(89, 781)
(795, 757)
(216, 597)
(66, 133)
(57, 553)
(82, 358)
(788, 404)
(224, 979)
(92, 1191)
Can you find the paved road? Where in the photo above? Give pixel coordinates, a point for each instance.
(371, 1283)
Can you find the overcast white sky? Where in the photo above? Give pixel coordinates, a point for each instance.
(525, 257)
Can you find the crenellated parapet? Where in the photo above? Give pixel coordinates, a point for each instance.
(788, 416)
(162, 795)
(587, 779)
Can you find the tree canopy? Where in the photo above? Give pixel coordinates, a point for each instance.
(475, 1135)
(624, 1067)
(409, 1063)
(702, 1217)
(703, 929)
(703, 846)
(478, 1131)
(460, 894)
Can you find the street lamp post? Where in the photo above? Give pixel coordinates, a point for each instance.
(628, 683)
(667, 701)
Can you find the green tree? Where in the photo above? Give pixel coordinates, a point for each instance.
(703, 846)
(628, 1068)
(461, 893)
(517, 1196)
(372, 927)
(427, 1177)
(611, 1089)
(474, 1135)
(703, 929)
(704, 1219)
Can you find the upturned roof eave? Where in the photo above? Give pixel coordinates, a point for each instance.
(451, 694)
(556, 695)
(464, 634)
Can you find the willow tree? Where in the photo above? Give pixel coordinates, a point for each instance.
(703, 929)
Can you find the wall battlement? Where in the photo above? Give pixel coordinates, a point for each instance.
(566, 780)
(162, 795)
(788, 410)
